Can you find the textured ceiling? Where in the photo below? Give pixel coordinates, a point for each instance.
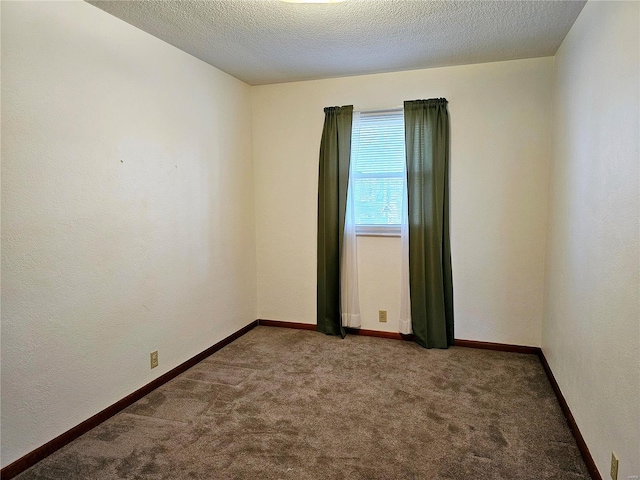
(268, 41)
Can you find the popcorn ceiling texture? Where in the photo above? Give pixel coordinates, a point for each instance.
(268, 41)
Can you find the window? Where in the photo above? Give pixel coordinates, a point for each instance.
(378, 167)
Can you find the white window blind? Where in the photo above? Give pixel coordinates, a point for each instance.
(378, 167)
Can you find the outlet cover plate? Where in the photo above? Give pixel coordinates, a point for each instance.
(154, 359)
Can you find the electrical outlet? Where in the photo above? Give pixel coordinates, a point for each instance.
(154, 359)
(382, 316)
(614, 467)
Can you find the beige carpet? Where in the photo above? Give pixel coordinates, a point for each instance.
(291, 404)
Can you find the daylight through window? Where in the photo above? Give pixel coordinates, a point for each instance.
(378, 167)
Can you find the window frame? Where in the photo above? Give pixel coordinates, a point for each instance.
(380, 230)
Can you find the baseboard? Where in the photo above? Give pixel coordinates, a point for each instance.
(350, 331)
(60, 441)
(503, 347)
(582, 445)
(500, 347)
(379, 334)
(279, 323)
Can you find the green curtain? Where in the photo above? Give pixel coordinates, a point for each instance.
(333, 179)
(431, 286)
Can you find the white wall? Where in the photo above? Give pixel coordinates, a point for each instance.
(500, 128)
(127, 213)
(591, 331)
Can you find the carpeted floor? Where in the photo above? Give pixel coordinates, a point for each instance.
(292, 404)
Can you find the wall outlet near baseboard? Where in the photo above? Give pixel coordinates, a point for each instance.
(614, 467)
(154, 359)
(382, 316)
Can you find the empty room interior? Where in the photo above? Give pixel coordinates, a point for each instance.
(355, 239)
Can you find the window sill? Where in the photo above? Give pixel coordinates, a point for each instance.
(378, 230)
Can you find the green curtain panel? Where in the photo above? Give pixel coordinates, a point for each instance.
(333, 180)
(431, 286)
